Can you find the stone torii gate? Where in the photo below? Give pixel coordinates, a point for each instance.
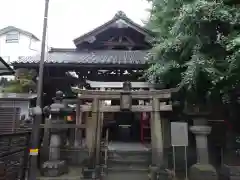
(160, 102)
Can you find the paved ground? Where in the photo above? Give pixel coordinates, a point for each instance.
(74, 174)
(127, 176)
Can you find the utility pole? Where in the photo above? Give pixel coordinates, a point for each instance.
(37, 111)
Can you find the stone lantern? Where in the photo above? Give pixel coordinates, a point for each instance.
(202, 169)
(55, 166)
(126, 99)
(124, 125)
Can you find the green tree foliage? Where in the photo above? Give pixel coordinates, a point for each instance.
(197, 46)
(22, 83)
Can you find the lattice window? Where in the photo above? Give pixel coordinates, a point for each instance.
(12, 37)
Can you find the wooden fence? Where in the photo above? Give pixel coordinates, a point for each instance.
(14, 155)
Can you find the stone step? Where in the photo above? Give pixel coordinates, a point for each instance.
(127, 176)
(130, 152)
(121, 161)
(133, 159)
(128, 163)
(129, 155)
(127, 169)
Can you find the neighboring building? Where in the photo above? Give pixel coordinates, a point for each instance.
(13, 108)
(15, 43)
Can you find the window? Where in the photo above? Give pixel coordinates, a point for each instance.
(12, 37)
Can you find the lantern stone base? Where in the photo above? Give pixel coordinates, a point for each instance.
(203, 172)
(153, 175)
(229, 173)
(91, 173)
(54, 168)
(156, 173)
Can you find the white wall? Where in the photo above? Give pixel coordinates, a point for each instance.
(12, 51)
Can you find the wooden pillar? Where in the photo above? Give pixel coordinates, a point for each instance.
(99, 131)
(153, 139)
(99, 119)
(98, 138)
(71, 137)
(166, 131)
(78, 132)
(156, 133)
(91, 128)
(89, 122)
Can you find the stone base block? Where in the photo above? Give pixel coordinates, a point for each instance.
(153, 175)
(156, 173)
(91, 173)
(229, 173)
(203, 172)
(54, 168)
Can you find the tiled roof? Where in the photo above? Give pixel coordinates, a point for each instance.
(91, 57)
(118, 16)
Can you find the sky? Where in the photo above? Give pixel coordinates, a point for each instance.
(68, 19)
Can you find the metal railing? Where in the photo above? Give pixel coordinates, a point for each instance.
(14, 155)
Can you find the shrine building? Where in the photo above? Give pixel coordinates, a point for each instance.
(104, 58)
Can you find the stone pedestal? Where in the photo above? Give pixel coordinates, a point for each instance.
(202, 169)
(153, 172)
(156, 173)
(91, 173)
(54, 168)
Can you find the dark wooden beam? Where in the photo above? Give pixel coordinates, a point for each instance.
(72, 66)
(61, 126)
